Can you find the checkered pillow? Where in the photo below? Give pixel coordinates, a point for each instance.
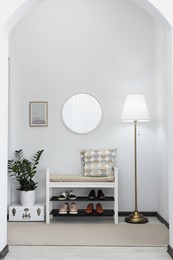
(98, 169)
(101, 161)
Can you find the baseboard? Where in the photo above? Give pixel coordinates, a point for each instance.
(4, 252)
(147, 213)
(162, 220)
(170, 251)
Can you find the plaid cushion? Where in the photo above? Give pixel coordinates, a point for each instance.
(98, 162)
(98, 169)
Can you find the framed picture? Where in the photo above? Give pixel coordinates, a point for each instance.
(38, 113)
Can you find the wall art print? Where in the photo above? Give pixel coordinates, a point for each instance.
(38, 113)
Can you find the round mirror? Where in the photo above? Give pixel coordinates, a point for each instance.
(81, 113)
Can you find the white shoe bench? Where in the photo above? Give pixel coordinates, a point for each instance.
(55, 181)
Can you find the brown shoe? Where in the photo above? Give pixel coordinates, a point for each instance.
(90, 208)
(99, 208)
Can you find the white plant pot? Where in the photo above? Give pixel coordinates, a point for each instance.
(27, 198)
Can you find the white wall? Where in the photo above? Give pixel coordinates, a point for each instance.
(3, 139)
(6, 9)
(162, 119)
(105, 48)
(165, 9)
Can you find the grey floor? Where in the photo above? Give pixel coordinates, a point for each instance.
(88, 253)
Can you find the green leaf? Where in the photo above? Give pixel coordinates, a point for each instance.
(24, 170)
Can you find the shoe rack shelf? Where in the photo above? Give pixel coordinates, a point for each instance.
(81, 213)
(51, 199)
(55, 198)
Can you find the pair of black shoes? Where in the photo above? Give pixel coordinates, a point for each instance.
(100, 195)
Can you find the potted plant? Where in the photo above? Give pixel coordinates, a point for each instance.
(23, 171)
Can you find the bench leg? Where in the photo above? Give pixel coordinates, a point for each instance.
(116, 204)
(47, 206)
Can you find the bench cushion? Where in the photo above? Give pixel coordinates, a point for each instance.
(76, 178)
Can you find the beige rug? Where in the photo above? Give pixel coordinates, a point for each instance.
(87, 234)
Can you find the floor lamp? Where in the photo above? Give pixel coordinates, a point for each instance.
(135, 110)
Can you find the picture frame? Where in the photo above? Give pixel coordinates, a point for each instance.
(38, 113)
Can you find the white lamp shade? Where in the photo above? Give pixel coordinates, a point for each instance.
(135, 108)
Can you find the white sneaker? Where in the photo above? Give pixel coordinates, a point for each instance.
(71, 195)
(63, 196)
(73, 209)
(64, 209)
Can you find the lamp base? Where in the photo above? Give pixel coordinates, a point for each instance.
(136, 218)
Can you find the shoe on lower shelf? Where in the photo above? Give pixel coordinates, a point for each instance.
(89, 209)
(73, 209)
(99, 208)
(63, 195)
(64, 209)
(71, 195)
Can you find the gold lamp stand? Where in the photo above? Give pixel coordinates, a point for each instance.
(136, 217)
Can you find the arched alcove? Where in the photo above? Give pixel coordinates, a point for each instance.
(21, 11)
